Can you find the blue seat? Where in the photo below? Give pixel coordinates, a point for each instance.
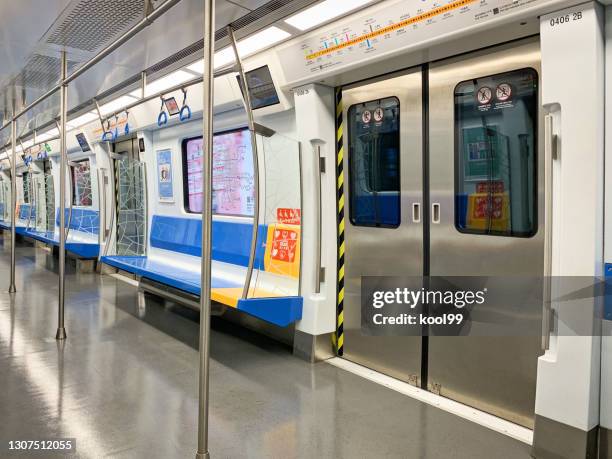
(19, 229)
(83, 250)
(230, 244)
(83, 221)
(182, 279)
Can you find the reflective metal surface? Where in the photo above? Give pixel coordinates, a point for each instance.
(371, 251)
(125, 384)
(495, 374)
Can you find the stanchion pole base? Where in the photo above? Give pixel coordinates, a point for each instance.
(61, 333)
(12, 289)
(205, 455)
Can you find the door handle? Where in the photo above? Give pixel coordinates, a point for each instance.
(550, 155)
(435, 212)
(416, 212)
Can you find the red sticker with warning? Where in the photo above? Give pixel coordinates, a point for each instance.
(481, 207)
(284, 245)
(496, 186)
(288, 216)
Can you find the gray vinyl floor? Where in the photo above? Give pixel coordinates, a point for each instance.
(124, 384)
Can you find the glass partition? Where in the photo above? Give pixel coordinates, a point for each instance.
(131, 207)
(5, 202)
(44, 199)
(277, 264)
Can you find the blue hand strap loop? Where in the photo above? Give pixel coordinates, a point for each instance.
(162, 118)
(185, 113)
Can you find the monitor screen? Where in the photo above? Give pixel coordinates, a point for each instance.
(233, 181)
(171, 106)
(261, 88)
(83, 142)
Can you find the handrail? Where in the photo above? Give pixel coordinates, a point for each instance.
(146, 203)
(317, 273)
(251, 123)
(549, 156)
(113, 228)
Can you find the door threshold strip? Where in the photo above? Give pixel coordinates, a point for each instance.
(487, 420)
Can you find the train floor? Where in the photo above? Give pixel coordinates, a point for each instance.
(124, 384)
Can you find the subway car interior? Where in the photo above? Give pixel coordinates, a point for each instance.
(306, 228)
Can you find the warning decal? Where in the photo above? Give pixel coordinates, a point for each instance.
(284, 245)
(288, 216)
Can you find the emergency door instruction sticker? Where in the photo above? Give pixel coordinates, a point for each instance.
(284, 245)
(389, 28)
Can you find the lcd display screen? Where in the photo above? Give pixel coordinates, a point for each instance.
(171, 106)
(83, 142)
(233, 181)
(261, 88)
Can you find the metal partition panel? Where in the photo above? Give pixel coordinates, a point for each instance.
(396, 249)
(495, 374)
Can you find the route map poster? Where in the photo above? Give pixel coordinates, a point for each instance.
(164, 176)
(233, 181)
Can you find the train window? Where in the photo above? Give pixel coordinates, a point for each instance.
(25, 181)
(496, 154)
(81, 179)
(374, 163)
(233, 181)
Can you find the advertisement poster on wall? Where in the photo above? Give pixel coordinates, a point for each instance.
(164, 176)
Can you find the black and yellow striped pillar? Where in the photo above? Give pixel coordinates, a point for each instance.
(340, 209)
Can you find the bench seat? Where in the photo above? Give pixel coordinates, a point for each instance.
(82, 249)
(230, 255)
(281, 311)
(19, 229)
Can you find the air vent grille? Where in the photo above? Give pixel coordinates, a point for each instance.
(89, 24)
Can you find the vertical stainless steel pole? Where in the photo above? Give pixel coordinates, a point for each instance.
(12, 288)
(208, 81)
(61, 330)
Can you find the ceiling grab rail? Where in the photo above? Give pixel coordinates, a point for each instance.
(251, 124)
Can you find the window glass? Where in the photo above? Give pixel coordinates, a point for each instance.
(233, 181)
(81, 179)
(26, 187)
(495, 154)
(374, 163)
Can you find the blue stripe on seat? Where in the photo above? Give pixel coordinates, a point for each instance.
(231, 241)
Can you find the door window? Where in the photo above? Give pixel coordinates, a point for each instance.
(374, 163)
(495, 154)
